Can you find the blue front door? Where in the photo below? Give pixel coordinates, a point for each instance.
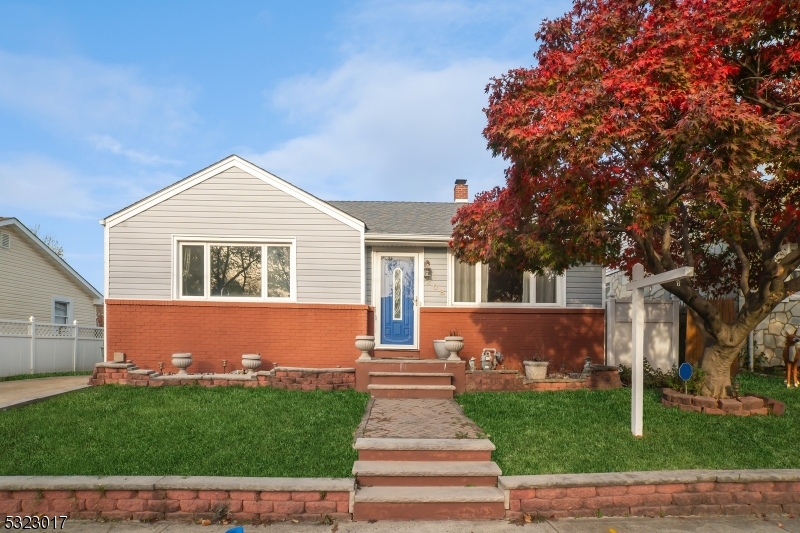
(397, 301)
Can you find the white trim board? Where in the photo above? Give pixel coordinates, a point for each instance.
(229, 162)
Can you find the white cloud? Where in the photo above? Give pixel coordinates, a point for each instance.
(387, 130)
(107, 143)
(80, 97)
(39, 185)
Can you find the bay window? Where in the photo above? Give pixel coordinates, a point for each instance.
(232, 270)
(485, 284)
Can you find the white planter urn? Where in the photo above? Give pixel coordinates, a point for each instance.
(535, 369)
(365, 344)
(440, 350)
(181, 361)
(251, 361)
(454, 344)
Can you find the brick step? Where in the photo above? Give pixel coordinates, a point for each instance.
(410, 378)
(411, 391)
(426, 473)
(376, 449)
(428, 503)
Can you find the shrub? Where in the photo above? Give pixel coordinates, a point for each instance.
(655, 378)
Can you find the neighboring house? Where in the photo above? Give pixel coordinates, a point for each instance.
(37, 282)
(234, 260)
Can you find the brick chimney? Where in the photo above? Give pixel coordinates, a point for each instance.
(461, 192)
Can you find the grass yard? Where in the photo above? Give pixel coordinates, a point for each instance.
(589, 431)
(187, 431)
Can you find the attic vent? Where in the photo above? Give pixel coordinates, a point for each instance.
(5, 241)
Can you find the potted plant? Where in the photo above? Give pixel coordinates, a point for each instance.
(251, 361)
(439, 348)
(536, 368)
(454, 343)
(365, 344)
(182, 361)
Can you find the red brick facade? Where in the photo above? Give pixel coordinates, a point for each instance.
(567, 336)
(296, 335)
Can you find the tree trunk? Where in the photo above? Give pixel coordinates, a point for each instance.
(716, 363)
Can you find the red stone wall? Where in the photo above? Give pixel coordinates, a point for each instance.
(297, 335)
(674, 499)
(182, 505)
(510, 380)
(568, 336)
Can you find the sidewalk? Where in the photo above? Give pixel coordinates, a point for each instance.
(24, 391)
(727, 524)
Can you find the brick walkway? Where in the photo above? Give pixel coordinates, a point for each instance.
(417, 419)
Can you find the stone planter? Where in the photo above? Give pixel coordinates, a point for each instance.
(439, 348)
(365, 344)
(181, 361)
(251, 361)
(536, 369)
(454, 344)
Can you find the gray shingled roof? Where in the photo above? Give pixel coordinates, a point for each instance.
(419, 218)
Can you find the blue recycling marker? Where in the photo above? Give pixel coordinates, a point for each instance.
(685, 372)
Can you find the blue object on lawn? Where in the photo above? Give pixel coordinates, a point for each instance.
(237, 529)
(685, 371)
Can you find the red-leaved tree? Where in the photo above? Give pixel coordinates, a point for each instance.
(656, 131)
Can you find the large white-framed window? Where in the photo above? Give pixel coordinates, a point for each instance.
(224, 269)
(485, 285)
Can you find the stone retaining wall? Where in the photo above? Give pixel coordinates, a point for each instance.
(745, 406)
(511, 380)
(178, 498)
(279, 377)
(664, 493)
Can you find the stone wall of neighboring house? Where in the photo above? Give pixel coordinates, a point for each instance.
(770, 335)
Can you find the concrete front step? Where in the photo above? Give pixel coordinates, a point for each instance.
(411, 391)
(416, 366)
(431, 503)
(388, 449)
(410, 378)
(426, 473)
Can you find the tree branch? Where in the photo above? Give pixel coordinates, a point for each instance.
(687, 244)
(756, 234)
(775, 246)
(744, 280)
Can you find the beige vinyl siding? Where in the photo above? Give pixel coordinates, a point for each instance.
(235, 204)
(585, 286)
(436, 288)
(30, 278)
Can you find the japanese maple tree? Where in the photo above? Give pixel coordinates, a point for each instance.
(656, 131)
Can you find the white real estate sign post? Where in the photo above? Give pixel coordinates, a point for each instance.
(637, 286)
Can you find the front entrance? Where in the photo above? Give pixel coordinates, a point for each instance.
(398, 300)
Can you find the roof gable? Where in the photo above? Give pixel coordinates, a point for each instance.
(219, 167)
(50, 253)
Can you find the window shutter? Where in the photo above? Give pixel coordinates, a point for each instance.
(5, 241)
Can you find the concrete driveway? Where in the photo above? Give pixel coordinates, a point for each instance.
(25, 391)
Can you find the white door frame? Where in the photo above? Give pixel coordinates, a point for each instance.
(377, 259)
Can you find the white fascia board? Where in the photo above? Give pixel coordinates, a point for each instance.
(407, 238)
(21, 227)
(659, 279)
(222, 166)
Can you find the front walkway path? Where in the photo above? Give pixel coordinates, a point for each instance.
(727, 524)
(412, 418)
(24, 391)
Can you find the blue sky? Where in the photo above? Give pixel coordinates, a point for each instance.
(103, 103)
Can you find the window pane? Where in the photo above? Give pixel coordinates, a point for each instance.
(236, 271)
(279, 272)
(192, 276)
(546, 288)
(61, 312)
(464, 282)
(502, 285)
(397, 294)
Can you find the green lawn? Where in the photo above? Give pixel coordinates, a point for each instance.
(589, 431)
(222, 431)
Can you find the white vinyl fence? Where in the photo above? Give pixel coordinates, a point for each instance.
(661, 332)
(30, 347)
